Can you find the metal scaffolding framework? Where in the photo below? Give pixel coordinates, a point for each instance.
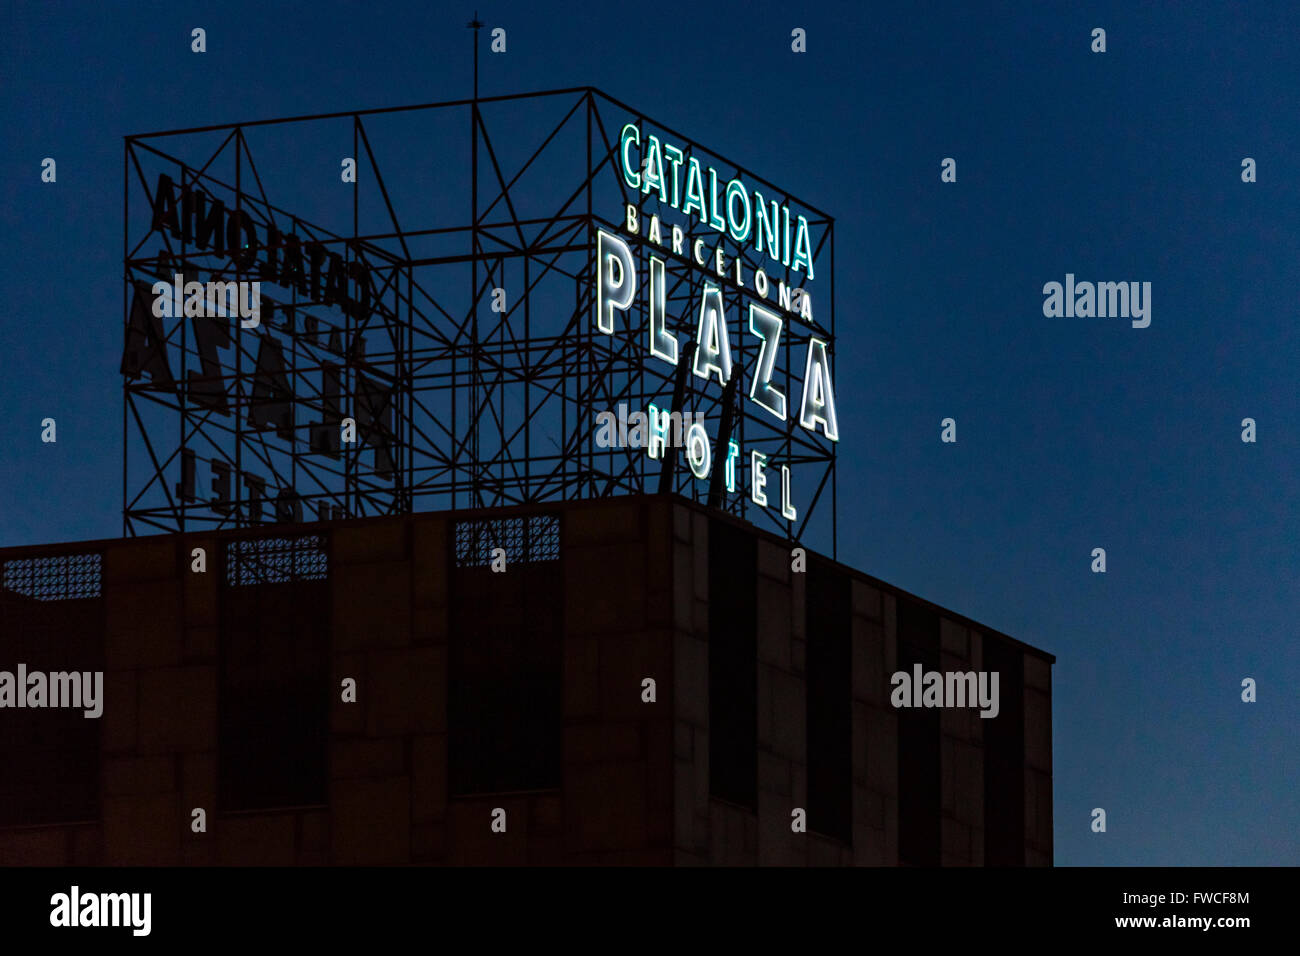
(462, 396)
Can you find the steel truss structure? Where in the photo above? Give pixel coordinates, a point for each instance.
(475, 372)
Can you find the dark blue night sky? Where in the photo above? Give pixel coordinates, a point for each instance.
(1073, 433)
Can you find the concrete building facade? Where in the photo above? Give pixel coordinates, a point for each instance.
(631, 680)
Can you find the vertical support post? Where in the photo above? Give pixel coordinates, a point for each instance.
(471, 419)
(126, 305)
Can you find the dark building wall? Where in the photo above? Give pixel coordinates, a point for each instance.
(183, 652)
(391, 779)
(961, 752)
(1038, 760)
(938, 755)
(50, 758)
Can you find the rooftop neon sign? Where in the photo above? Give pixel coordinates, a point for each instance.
(743, 214)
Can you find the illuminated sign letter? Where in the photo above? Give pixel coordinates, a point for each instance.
(674, 156)
(631, 175)
(698, 452)
(663, 344)
(802, 247)
(787, 509)
(757, 480)
(658, 432)
(818, 403)
(785, 244)
(617, 283)
(715, 204)
(767, 326)
(738, 232)
(694, 188)
(766, 226)
(654, 171)
(733, 451)
(712, 350)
